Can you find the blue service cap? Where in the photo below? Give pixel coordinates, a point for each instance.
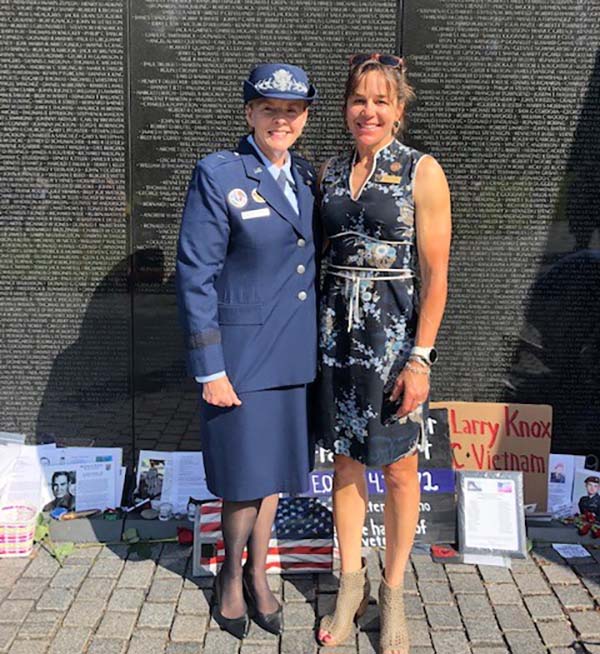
(280, 81)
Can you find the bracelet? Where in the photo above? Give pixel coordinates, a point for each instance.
(417, 370)
(419, 359)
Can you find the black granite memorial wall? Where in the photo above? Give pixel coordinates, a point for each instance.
(105, 105)
(508, 100)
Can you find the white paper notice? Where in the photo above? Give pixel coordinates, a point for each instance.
(114, 455)
(26, 482)
(490, 513)
(172, 477)
(8, 457)
(184, 478)
(586, 491)
(561, 468)
(80, 486)
(571, 551)
(151, 475)
(487, 559)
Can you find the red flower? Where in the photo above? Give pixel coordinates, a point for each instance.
(185, 536)
(583, 530)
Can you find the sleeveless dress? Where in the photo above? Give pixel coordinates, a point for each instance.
(368, 309)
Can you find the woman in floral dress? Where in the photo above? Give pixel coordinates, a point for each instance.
(386, 213)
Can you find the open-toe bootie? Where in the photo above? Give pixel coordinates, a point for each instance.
(351, 602)
(393, 636)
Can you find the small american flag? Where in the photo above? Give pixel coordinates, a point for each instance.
(302, 538)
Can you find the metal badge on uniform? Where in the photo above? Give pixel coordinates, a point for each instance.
(237, 198)
(395, 167)
(385, 178)
(256, 213)
(257, 197)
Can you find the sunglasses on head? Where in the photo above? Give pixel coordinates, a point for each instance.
(385, 59)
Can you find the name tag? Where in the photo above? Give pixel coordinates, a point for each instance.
(256, 213)
(388, 179)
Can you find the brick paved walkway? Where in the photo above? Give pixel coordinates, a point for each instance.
(102, 602)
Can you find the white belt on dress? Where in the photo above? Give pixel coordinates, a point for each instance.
(355, 274)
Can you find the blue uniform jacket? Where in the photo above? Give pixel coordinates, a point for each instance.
(246, 272)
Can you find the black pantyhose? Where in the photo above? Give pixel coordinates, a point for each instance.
(246, 523)
(237, 522)
(258, 547)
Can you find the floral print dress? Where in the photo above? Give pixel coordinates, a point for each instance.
(369, 308)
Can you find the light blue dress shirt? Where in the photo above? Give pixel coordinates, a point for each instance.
(292, 199)
(276, 171)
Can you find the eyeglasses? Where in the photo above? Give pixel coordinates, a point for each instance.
(385, 59)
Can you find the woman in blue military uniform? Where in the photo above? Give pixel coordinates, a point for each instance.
(246, 294)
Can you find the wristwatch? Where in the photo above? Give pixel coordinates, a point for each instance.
(428, 355)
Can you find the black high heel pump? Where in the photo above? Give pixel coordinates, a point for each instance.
(271, 622)
(237, 627)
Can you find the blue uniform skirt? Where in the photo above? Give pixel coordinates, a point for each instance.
(259, 448)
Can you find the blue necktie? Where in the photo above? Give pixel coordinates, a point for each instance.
(282, 180)
(288, 188)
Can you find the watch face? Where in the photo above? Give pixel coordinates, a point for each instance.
(433, 355)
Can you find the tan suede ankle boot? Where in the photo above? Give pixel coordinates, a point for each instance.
(351, 602)
(393, 636)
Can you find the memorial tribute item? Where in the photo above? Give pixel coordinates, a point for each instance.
(586, 498)
(301, 540)
(562, 469)
(69, 478)
(171, 477)
(491, 517)
(486, 436)
(81, 486)
(437, 516)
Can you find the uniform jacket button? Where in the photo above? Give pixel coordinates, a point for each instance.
(300, 269)
(302, 295)
(301, 242)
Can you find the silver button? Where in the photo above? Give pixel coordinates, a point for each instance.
(300, 269)
(302, 295)
(300, 242)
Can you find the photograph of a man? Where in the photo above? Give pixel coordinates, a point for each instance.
(151, 479)
(557, 475)
(63, 489)
(591, 501)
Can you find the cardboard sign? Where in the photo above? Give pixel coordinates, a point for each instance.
(486, 436)
(437, 518)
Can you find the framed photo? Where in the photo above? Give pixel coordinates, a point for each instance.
(491, 514)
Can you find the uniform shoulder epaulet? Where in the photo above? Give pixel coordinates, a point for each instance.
(216, 159)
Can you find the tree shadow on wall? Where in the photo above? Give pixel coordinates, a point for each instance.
(97, 381)
(557, 359)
